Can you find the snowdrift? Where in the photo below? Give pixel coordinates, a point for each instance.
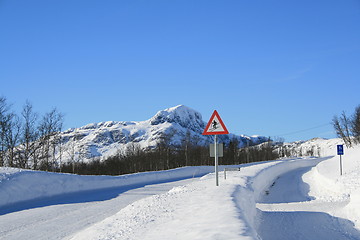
(259, 179)
(199, 210)
(23, 185)
(326, 183)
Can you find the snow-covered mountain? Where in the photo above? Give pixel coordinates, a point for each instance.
(107, 138)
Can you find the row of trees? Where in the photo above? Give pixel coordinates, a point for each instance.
(28, 140)
(166, 156)
(348, 127)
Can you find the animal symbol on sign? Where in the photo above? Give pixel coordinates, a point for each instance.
(214, 124)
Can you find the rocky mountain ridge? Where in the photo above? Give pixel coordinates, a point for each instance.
(100, 140)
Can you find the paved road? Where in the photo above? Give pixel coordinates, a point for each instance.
(62, 217)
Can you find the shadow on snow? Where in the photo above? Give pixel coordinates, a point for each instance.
(298, 225)
(303, 226)
(79, 197)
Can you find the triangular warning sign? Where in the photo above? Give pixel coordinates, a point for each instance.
(215, 126)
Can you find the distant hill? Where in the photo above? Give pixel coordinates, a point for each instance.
(317, 147)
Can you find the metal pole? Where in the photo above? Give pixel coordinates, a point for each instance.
(216, 162)
(340, 166)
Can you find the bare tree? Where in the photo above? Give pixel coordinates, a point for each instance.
(74, 152)
(186, 145)
(9, 134)
(133, 153)
(49, 128)
(71, 152)
(356, 124)
(164, 148)
(12, 137)
(231, 152)
(342, 127)
(29, 136)
(4, 108)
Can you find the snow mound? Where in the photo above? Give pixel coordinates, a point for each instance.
(328, 185)
(24, 185)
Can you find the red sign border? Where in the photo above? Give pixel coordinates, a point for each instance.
(215, 113)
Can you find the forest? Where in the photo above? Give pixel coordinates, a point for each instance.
(165, 156)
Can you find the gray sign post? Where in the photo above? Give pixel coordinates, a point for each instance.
(340, 152)
(216, 161)
(215, 127)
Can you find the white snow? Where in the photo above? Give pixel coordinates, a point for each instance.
(24, 185)
(328, 185)
(199, 210)
(298, 198)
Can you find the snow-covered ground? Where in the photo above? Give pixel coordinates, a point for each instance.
(329, 186)
(38, 205)
(299, 198)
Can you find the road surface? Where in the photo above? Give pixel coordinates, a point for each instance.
(286, 211)
(61, 217)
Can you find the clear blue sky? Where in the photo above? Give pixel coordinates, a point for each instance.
(269, 67)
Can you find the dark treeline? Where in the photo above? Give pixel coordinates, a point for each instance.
(28, 140)
(165, 156)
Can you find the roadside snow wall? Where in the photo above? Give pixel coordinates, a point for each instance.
(18, 185)
(247, 196)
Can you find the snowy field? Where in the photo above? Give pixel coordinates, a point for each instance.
(299, 198)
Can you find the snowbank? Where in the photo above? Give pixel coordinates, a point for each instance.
(260, 179)
(199, 210)
(326, 183)
(23, 185)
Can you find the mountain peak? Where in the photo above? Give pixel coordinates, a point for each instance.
(184, 116)
(107, 138)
